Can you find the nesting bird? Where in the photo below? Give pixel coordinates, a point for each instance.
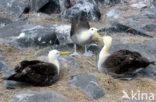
(39, 73)
(122, 63)
(81, 33)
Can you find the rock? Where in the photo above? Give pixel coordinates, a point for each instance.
(118, 27)
(39, 96)
(83, 8)
(88, 84)
(23, 34)
(4, 68)
(139, 5)
(14, 84)
(62, 32)
(114, 14)
(150, 27)
(93, 48)
(4, 21)
(150, 13)
(13, 7)
(49, 6)
(110, 2)
(36, 5)
(154, 3)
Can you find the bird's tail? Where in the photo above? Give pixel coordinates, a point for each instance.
(153, 63)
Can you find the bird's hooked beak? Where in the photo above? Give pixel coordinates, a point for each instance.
(65, 53)
(96, 34)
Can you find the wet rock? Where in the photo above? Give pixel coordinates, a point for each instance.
(4, 21)
(13, 7)
(150, 27)
(83, 8)
(118, 27)
(88, 84)
(39, 96)
(4, 68)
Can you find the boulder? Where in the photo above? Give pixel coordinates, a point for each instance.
(109, 2)
(4, 68)
(88, 84)
(39, 96)
(150, 27)
(13, 7)
(4, 21)
(83, 8)
(49, 6)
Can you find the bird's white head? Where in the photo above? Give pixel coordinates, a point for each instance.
(93, 32)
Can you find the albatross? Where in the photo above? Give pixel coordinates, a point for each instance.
(81, 33)
(39, 73)
(122, 63)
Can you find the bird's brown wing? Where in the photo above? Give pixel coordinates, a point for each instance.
(78, 25)
(24, 64)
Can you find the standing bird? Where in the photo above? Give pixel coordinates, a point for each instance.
(39, 73)
(81, 33)
(122, 63)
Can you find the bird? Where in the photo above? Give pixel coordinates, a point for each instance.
(81, 33)
(38, 73)
(122, 63)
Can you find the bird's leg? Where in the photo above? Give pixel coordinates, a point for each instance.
(86, 52)
(75, 52)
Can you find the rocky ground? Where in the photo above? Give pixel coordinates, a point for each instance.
(130, 23)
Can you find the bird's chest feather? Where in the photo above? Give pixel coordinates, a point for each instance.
(85, 36)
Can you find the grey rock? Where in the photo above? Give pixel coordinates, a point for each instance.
(13, 7)
(4, 21)
(118, 27)
(36, 5)
(83, 8)
(39, 96)
(1, 57)
(4, 68)
(154, 3)
(110, 2)
(88, 84)
(14, 84)
(93, 48)
(150, 27)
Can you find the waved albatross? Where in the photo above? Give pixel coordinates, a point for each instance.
(39, 73)
(122, 63)
(81, 33)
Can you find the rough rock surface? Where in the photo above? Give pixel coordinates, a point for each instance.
(13, 7)
(4, 21)
(39, 96)
(4, 67)
(88, 84)
(90, 9)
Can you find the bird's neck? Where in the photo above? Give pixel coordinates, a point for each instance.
(104, 53)
(55, 62)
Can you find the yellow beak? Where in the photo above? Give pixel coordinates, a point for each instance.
(65, 53)
(96, 34)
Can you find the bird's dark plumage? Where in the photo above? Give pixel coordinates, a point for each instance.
(124, 62)
(36, 73)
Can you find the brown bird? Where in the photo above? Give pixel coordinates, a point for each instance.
(39, 73)
(121, 63)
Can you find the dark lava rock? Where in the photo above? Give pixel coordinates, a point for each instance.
(83, 8)
(88, 84)
(39, 96)
(150, 27)
(4, 68)
(4, 21)
(49, 6)
(118, 27)
(13, 7)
